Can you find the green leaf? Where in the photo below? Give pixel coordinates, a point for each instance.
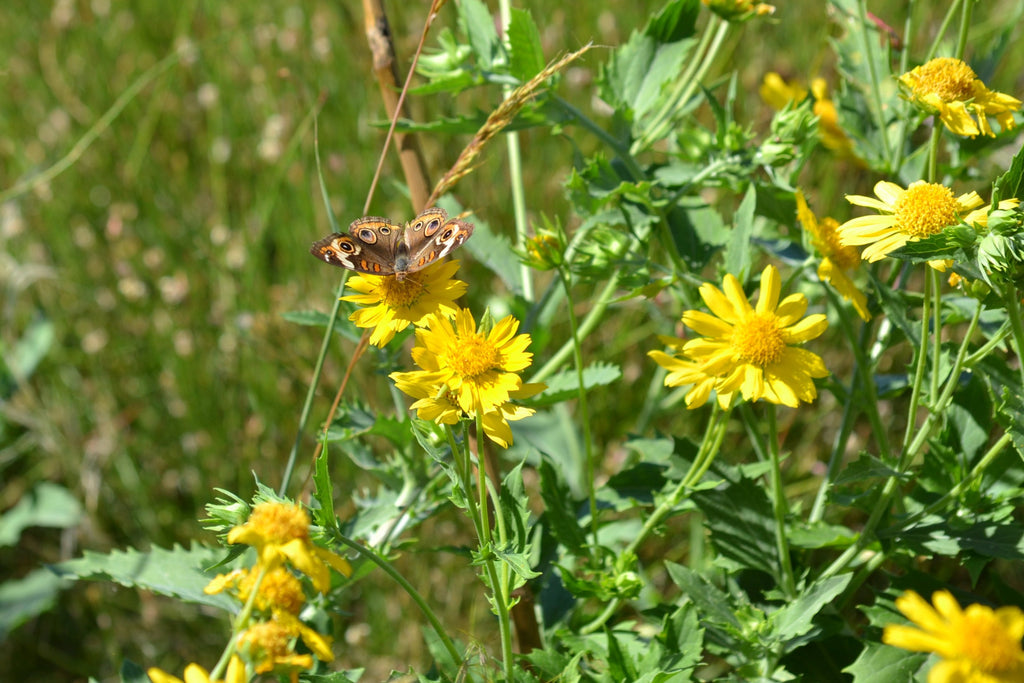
(1005, 541)
(1011, 183)
(565, 385)
(1011, 417)
(317, 319)
(478, 25)
(741, 522)
(796, 618)
(738, 255)
(517, 562)
(821, 535)
(323, 492)
(46, 505)
(559, 509)
(178, 573)
(884, 664)
(683, 639)
(526, 57)
(713, 605)
(494, 250)
(27, 597)
(674, 22)
(133, 673)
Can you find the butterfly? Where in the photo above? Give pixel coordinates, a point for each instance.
(379, 246)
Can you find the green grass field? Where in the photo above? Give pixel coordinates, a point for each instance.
(158, 237)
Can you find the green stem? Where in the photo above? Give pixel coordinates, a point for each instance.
(238, 625)
(922, 357)
(515, 171)
(933, 389)
(588, 446)
(965, 26)
(1011, 299)
(710, 445)
(307, 405)
(435, 623)
(586, 327)
(604, 136)
(685, 86)
(951, 12)
(779, 506)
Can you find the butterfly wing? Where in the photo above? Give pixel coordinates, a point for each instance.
(430, 237)
(369, 247)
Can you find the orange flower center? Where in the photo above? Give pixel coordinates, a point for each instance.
(984, 641)
(268, 640)
(279, 522)
(396, 294)
(759, 340)
(949, 78)
(925, 209)
(473, 357)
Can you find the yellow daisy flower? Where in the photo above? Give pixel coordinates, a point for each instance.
(466, 373)
(921, 210)
(750, 349)
(977, 645)
(685, 372)
(391, 306)
(949, 88)
(279, 590)
(837, 261)
(197, 674)
(280, 533)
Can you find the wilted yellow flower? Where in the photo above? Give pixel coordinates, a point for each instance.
(269, 647)
(777, 93)
(950, 88)
(391, 306)
(197, 674)
(279, 590)
(280, 533)
(977, 645)
(922, 210)
(837, 261)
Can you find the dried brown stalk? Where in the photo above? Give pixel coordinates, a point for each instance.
(496, 122)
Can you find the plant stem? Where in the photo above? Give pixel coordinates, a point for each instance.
(779, 506)
(588, 446)
(435, 623)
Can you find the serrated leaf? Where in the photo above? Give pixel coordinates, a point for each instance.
(559, 512)
(1011, 183)
(178, 573)
(738, 256)
(323, 492)
(47, 505)
(565, 385)
(478, 25)
(741, 522)
(495, 251)
(795, 619)
(1005, 541)
(880, 663)
(526, 57)
(713, 606)
(517, 562)
(27, 597)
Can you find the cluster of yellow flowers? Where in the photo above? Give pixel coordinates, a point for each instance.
(465, 372)
(272, 597)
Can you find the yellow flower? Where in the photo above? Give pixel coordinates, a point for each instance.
(977, 645)
(197, 674)
(280, 533)
(921, 210)
(466, 373)
(269, 646)
(685, 372)
(279, 590)
(949, 88)
(837, 261)
(777, 92)
(750, 349)
(391, 306)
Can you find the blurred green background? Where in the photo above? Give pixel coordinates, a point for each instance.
(163, 257)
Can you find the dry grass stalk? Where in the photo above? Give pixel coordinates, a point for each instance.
(497, 121)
